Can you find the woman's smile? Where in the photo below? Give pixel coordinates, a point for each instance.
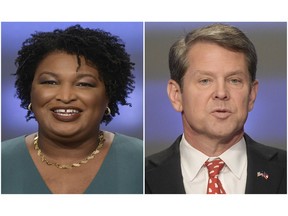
(66, 114)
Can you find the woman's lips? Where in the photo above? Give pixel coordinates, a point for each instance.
(66, 114)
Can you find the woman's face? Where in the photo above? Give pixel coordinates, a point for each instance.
(67, 100)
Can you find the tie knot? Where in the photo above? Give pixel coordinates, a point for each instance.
(214, 167)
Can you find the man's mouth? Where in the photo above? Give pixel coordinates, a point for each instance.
(221, 113)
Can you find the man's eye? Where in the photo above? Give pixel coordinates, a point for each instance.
(235, 81)
(204, 81)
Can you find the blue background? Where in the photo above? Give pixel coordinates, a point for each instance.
(266, 123)
(130, 120)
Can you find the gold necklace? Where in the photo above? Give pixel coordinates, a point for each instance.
(101, 141)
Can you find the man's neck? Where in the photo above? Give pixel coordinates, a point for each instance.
(212, 146)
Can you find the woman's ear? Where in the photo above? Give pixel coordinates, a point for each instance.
(175, 95)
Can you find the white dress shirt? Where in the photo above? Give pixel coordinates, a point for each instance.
(195, 174)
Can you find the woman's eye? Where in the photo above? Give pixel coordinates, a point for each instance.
(49, 82)
(83, 84)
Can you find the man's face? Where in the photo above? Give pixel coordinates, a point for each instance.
(217, 93)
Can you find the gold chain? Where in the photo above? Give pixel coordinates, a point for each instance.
(68, 166)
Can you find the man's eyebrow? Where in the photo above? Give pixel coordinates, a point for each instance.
(206, 72)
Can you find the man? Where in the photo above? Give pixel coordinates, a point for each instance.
(213, 85)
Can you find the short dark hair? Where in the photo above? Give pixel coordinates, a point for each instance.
(103, 50)
(226, 36)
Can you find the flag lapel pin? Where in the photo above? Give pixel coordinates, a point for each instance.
(263, 175)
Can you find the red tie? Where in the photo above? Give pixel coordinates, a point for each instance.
(214, 184)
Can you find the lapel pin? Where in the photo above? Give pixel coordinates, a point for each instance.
(263, 174)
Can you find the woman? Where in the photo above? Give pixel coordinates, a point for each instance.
(71, 81)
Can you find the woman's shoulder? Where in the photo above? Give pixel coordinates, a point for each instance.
(11, 144)
(128, 140)
(128, 144)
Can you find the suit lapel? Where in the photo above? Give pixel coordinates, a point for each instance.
(263, 175)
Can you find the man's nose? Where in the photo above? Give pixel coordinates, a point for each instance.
(221, 91)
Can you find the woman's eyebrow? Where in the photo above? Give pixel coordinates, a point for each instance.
(50, 73)
(81, 75)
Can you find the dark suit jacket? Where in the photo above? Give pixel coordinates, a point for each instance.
(164, 176)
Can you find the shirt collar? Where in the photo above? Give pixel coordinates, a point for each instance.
(191, 159)
(235, 158)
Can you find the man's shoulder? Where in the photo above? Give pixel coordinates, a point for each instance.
(164, 156)
(158, 158)
(265, 151)
(163, 171)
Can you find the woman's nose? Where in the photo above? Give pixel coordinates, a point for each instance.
(66, 94)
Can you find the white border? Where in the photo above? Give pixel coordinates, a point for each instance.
(113, 10)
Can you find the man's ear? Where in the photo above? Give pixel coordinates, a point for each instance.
(175, 95)
(253, 95)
